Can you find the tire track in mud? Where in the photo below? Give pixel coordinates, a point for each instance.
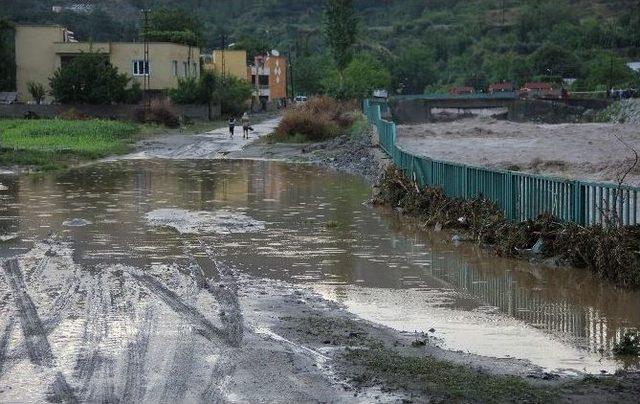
(52, 319)
(203, 326)
(182, 366)
(226, 294)
(135, 377)
(37, 344)
(4, 342)
(93, 369)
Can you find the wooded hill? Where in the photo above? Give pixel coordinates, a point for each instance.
(471, 42)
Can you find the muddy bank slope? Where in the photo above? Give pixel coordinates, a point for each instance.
(577, 151)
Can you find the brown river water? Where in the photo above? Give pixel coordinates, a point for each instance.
(312, 226)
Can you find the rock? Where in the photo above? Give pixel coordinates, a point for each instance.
(3, 187)
(437, 227)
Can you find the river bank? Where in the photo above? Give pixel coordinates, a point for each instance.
(586, 151)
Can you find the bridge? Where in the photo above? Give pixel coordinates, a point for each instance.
(417, 108)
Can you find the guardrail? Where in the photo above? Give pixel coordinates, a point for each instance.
(521, 196)
(504, 95)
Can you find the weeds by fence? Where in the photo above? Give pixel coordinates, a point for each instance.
(520, 196)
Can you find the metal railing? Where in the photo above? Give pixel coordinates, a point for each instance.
(503, 95)
(521, 196)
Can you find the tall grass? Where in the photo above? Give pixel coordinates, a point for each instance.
(42, 142)
(319, 119)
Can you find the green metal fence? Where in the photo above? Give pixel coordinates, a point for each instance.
(521, 196)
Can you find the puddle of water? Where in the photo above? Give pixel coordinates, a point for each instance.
(309, 225)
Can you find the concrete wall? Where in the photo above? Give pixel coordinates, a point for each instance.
(161, 58)
(36, 59)
(235, 63)
(121, 112)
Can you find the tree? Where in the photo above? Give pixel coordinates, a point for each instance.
(308, 73)
(7, 57)
(341, 29)
(37, 91)
(553, 60)
(230, 92)
(359, 79)
(606, 70)
(174, 25)
(413, 70)
(90, 79)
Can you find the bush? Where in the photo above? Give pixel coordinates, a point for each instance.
(91, 79)
(319, 119)
(73, 114)
(629, 345)
(230, 92)
(161, 111)
(188, 92)
(37, 91)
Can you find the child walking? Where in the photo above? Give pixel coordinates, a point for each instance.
(232, 126)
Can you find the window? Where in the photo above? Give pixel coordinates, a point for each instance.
(140, 67)
(195, 70)
(174, 68)
(186, 68)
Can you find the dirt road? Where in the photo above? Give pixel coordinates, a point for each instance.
(576, 151)
(210, 145)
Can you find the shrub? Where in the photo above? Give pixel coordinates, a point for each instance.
(230, 92)
(629, 345)
(37, 91)
(73, 114)
(161, 111)
(187, 92)
(319, 119)
(91, 79)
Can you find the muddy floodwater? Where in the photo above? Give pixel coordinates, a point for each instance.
(309, 225)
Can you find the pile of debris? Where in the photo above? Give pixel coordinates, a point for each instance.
(350, 153)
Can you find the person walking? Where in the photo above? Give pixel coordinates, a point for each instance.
(232, 126)
(246, 125)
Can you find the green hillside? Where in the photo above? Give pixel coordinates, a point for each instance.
(452, 42)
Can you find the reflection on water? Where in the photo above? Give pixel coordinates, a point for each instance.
(318, 231)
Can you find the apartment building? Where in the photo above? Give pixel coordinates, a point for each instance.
(42, 49)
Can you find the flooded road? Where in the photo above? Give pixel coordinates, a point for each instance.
(132, 247)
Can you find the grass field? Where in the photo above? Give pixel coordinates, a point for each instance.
(53, 143)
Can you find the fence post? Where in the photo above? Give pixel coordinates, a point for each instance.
(465, 182)
(509, 196)
(578, 202)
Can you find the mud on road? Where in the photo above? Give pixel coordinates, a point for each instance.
(115, 333)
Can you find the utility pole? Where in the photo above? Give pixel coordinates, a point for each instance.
(223, 47)
(145, 63)
(290, 69)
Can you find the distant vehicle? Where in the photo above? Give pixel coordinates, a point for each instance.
(300, 99)
(380, 94)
